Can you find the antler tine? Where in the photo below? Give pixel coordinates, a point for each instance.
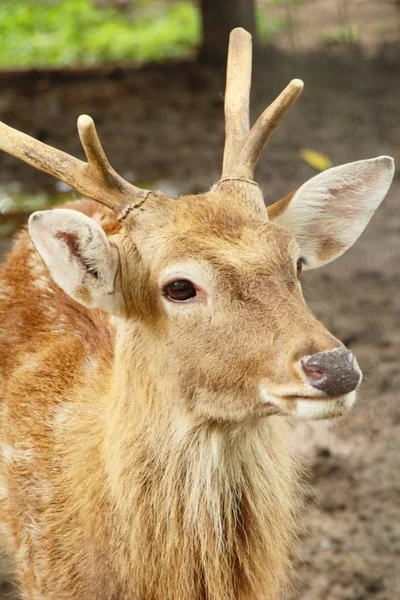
(95, 179)
(237, 96)
(243, 147)
(119, 192)
(264, 127)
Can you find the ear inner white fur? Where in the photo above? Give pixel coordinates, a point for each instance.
(78, 256)
(329, 212)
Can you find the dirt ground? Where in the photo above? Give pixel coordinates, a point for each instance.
(165, 125)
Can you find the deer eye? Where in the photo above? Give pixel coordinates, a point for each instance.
(179, 290)
(299, 266)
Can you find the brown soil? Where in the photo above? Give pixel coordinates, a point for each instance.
(165, 124)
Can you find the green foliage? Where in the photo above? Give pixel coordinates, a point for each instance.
(269, 24)
(269, 28)
(62, 32)
(347, 34)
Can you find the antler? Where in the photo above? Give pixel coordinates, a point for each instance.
(243, 147)
(95, 179)
(98, 180)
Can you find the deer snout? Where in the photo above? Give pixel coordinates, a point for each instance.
(334, 372)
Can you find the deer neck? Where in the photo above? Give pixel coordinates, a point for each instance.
(207, 508)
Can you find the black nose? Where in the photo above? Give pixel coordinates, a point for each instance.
(333, 372)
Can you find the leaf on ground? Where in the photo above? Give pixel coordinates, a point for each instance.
(316, 160)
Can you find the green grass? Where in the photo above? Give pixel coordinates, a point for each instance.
(269, 28)
(64, 32)
(51, 33)
(348, 34)
(11, 201)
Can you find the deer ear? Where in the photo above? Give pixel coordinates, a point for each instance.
(330, 211)
(78, 256)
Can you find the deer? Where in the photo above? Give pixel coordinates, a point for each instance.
(154, 355)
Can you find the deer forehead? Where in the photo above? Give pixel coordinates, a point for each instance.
(210, 212)
(222, 233)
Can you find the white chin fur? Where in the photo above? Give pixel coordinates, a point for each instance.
(310, 409)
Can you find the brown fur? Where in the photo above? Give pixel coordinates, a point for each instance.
(278, 208)
(137, 462)
(330, 248)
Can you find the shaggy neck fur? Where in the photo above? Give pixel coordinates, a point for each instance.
(211, 507)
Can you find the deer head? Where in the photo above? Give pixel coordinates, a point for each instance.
(207, 287)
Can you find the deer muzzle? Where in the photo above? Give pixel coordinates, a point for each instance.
(334, 372)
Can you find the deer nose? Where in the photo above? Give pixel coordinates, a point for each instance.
(334, 372)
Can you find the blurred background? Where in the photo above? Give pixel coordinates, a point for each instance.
(151, 74)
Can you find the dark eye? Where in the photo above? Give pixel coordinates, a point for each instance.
(179, 290)
(300, 264)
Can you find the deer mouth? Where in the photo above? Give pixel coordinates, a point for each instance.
(306, 407)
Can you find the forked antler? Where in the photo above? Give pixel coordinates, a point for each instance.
(243, 146)
(98, 180)
(95, 179)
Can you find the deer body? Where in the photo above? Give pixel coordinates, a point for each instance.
(131, 502)
(149, 363)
